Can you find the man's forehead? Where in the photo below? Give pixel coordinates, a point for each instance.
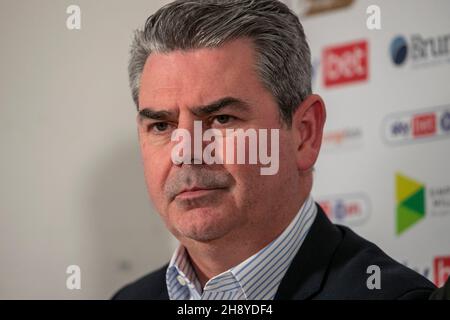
(199, 75)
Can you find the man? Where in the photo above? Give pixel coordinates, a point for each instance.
(243, 64)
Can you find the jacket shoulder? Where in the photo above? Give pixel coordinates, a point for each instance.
(358, 262)
(149, 287)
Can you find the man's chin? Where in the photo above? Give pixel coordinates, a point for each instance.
(203, 224)
(205, 235)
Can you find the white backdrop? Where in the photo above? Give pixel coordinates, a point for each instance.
(393, 119)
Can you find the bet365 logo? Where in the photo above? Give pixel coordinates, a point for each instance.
(410, 196)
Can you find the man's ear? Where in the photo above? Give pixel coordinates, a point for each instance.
(307, 127)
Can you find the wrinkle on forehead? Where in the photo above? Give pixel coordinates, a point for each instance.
(196, 77)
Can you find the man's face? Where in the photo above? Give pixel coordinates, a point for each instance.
(208, 202)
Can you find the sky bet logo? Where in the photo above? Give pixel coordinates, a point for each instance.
(430, 123)
(420, 50)
(410, 198)
(346, 63)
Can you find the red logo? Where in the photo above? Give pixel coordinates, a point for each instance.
(424, 125)
(346, 63)
(349, 209)
(441, 270)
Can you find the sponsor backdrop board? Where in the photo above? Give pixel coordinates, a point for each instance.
(385, 165)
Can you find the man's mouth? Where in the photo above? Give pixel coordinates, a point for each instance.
(195, 192)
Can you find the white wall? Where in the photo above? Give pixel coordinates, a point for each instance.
(72, 189)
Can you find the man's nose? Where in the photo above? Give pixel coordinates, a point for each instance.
(194, 129)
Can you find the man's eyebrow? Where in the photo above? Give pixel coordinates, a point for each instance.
(148, 113)
(200, 111)
(218, 105)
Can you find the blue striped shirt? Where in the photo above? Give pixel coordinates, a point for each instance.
(256, 278)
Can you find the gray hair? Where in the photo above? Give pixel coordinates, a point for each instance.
(283, 55)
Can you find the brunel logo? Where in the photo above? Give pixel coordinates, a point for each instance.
(419, 50)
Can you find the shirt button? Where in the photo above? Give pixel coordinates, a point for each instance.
(181, 280)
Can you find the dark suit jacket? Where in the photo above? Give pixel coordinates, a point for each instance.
(331, 264)
(442, 293)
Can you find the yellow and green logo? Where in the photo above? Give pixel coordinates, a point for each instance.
(410, 202)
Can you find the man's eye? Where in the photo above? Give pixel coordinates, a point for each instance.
(159, 127)
(223, 119)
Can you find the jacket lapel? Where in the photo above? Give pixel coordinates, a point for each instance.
(307, 271)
